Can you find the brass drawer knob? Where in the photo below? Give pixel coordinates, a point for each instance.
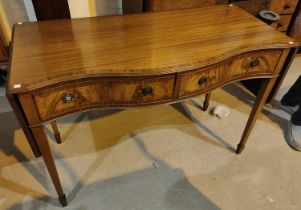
(147, 91)
(202, 80)
(68, 98)
(254, 63)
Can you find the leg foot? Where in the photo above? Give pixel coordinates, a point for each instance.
(206, 102)
(56, 132)
(240, 148)
(57, 137)
(63, 200)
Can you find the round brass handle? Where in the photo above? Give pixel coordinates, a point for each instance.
(147, 91)
(202, 80)
(254, 63)
(68, 98)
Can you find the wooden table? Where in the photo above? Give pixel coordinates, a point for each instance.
(66, 66)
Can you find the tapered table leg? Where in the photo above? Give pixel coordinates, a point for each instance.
(261, 98)
(42, 141)
(206, 102)
(56, 132)
(263, 94)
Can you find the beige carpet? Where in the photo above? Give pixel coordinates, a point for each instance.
(162, 158)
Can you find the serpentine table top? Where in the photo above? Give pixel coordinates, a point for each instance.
(49, 52)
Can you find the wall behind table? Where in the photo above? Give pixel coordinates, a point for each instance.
(11, 11)
(91, 8)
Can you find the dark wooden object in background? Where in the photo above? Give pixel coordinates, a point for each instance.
(53, 82)
(3, 52)
(286, 10)
(51, 9)
(251, 6)
(295, 27)
(167, 5)
(132, 6)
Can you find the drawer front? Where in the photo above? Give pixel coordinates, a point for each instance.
(103, 92)
(283, 23)
(196, 82)
(283, 6)
(140, 91)
(59, 100)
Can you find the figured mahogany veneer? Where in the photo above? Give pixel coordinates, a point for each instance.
(103, 92)
(239, 67)
(124, 92)
(61, 67)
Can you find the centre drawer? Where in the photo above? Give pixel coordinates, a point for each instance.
(103, 92)
(250, 64)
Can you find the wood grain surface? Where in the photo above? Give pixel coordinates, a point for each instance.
(159, 43)
(66, 66)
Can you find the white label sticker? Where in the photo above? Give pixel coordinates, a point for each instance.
(17, 85)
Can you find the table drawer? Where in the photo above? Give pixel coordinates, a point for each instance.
(66, 98)
(140, 90)
(251, 64)
(103, 92)
(283, 6)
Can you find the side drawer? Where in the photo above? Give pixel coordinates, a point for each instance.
(66, 98)
(250, 64)
(103, 92)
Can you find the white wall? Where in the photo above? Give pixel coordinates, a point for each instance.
(79, 8)
(11, 12)
(30, 10)
(88, 8)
